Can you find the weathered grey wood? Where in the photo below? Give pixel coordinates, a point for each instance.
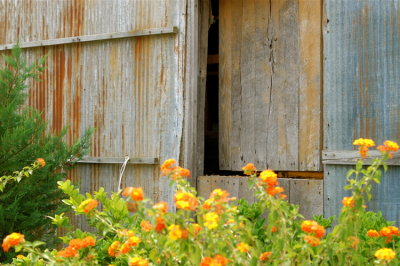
(244, 101)
(191, 127)
(91, 38)
(204, 26)
(204, 186)
(309, 195)
(263, 82)
(232, 185)
(361, 89)
(260, 75)
(282, 142)
(286, 184)
(350, 157)
(245, 192)
(118, 160)
(226, 30)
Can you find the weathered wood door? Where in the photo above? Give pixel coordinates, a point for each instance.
(361, 94)
(270, 84)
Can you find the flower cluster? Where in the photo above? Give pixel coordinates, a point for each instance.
(364, 144)
(389, 147)
(348, 202)
(12, 240)
(75, 245)
(87, 205)
(317, 231)
(186, 201)
(249, 169)
(270, 179)
(385, 254)
(217, 260)
(136, 193)
(168, 168)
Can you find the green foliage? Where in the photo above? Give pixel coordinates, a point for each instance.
(25, 205)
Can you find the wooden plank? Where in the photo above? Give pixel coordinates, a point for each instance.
(226, 44)
(285, 183)
(232, 185)
(94, 37)
(263, 81)
(310, 84)
(309, 195)
(204, 186)
(117, 160)
(245, 192)
(204, 26)
(351, 157)
(282, 143)
(243, 101)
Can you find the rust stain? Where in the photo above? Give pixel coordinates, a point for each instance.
(58, 87)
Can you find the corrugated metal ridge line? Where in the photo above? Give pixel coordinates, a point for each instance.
(95, 37)
(118, 160)
(350, 157)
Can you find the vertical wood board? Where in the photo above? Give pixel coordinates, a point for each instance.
(270, 84)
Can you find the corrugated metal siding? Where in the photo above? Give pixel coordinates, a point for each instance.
(361, 89)
(130, 90)
(270, 84)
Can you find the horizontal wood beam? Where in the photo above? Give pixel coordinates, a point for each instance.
(349, 157)
(95, 37)
(118, 160)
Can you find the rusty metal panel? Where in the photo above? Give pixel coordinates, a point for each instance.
(361, 89)
(130, 90)
(35, 20)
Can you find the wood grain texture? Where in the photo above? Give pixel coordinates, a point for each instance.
(267, 65)
(308, 194)
(361, 89)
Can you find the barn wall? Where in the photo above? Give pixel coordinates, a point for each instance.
(270, 84)
(361, 92)
(131, 90)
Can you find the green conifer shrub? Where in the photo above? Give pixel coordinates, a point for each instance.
(26, 205)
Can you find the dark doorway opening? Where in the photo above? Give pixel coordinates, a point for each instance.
(211, 151)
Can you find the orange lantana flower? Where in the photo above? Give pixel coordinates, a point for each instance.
(41, 162)
(161, 206)
(11, 240)
(385, 254)
(348, 202)
(218, 260)
(243, 247)
(265, 256)
(249, 169)
(138, 261)
(136, 193)
(88, 205)
(364, 145)
(312, 240)
(112, 249)
(372, 233)
(186, 201)
(146, 226)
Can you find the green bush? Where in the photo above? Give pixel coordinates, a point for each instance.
(24, 205)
